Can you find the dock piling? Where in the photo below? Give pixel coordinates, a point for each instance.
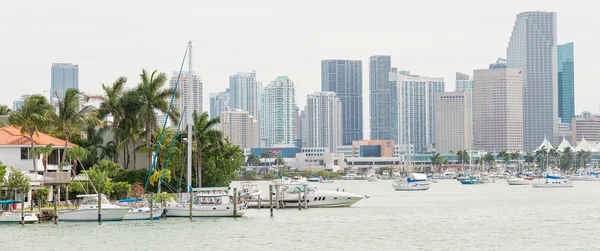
(55, 206)
(305, 196)
(22, 209)
(271, 199)
(151, 206)
(299, 201)
(277, 196)
(234, 202)
(191, 202)
(99, 208)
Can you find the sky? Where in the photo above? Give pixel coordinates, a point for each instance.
(109, 39)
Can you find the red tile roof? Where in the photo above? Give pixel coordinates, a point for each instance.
(11, 135)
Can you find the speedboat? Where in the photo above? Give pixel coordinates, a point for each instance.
(349, 176)
(12, 216)
(318, 198)
(249, 190)
(208, 202)
(410, 186)
(553, 181)
(371, 176)
(139, 210)
(326, 180)
(470, 180)
(88, 210)
(314, 179)
(518, 181)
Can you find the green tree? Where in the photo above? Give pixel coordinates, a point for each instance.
(34, 116)
(252, 160)
(566, 159)
(76, 154)
(206, 137)
(17, 182)
(279, 162)
(221, 164)
(154, 97)
(94, 144)
(44, 151)
(4, 110)
(540, 155)
(265, 154)
(529, 159)
(111, 104)
(249, 175)
(71, 118)
(504, 155)
(554, 155)
(490, 160)
(516, 156)
(437, 159)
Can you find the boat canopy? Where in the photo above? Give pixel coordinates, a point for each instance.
(299, 189)
(554, 177)
(417, 177)
(130, 200)
(6, 202)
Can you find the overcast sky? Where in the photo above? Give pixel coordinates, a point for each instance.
(108, 39)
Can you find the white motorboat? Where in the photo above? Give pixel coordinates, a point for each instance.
(314, 179)
(88, 210)
(13, 216)
(208, 202)
(518, 181)
(410, 186)
(385, 175)
(249, 190)
(318, 198)
(326, 180)
(139, 210)
(554, 182)
(350, 176)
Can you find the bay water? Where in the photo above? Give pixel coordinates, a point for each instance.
(449, 216)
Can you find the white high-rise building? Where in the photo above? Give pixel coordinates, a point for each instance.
(532, 48)
(244, 92)
(304, 127)
(463, 82)
(182, 100)
(278, 112)
(498, 102)
(17, 104)
(324, 115)
(416, 106)
(219, 102)
(453, 117)
(240, 128)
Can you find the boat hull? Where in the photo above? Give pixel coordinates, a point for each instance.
(544, 185)
(471, 182)
(204, 211)
(15, 217)
(108, 214)
(517, 182)
(142, 214)
(410, 186)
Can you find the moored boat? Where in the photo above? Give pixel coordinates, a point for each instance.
(88, 210)
(410, 186)
(208, 202)
(518, 181)
(318, 198)
(326, 180)
(314, 179)
(12, 216)
(553, 181)
(139, 210)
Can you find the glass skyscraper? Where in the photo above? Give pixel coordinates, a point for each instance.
(382, 104)
(344, 77)
(244, 92)
(566, 83)
(64, 76)
(532, 49)
(219, 103)
(278, 112)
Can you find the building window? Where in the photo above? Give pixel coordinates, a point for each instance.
(24, 153)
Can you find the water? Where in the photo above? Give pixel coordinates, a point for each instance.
(449, 216)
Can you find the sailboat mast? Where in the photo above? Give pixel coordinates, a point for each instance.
(189, 118)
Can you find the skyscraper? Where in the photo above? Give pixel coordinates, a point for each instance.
(324, 112)
(416, 109)
(17, 104)
(532, 48)
(240, 128)
(453, 117)
(304, 127)
(498, 103)
(219, 102)
(463, 82)
(182, 101)
(344, 77)
(382, 102)
(566, 83)
(277, 116)
(64, 76)
(244, 92)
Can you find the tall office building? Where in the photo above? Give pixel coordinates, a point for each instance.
(344, 77)
(532, 48)
(416, 109)
(182, 101)
(454, 121)
(324, 111)
(566, 83)
(278, 106)
(304, 127)
(463, 82)
(244, 92)
(383, 101)
(498, 101)
(240, 128)
(64, 76)
(219, 102)
(17, 104)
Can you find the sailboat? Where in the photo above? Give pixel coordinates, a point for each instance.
(207, 201)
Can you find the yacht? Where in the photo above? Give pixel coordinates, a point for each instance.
(518, 181)
(314, 179)
(410, 186)
(88, 210)
(139, 210)
(326, 180)
(318, 198)
(350, 176)
(553, 181)
(470, 180)
(372, 176)
(249, 190)
(208, 202)
(12, 216)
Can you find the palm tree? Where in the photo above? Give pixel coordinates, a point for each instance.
(529, 159)
(111, 105)
(516, 155)
(252, 160)
(553, 156)
(265, 155)
(71, 118)
(153, 97)
(540, 155)
(33, 117)
(582, 158)
(279, 161)
(4, 110)
(437, 159)
(490, 160)
(206, 136)
(504, 156)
